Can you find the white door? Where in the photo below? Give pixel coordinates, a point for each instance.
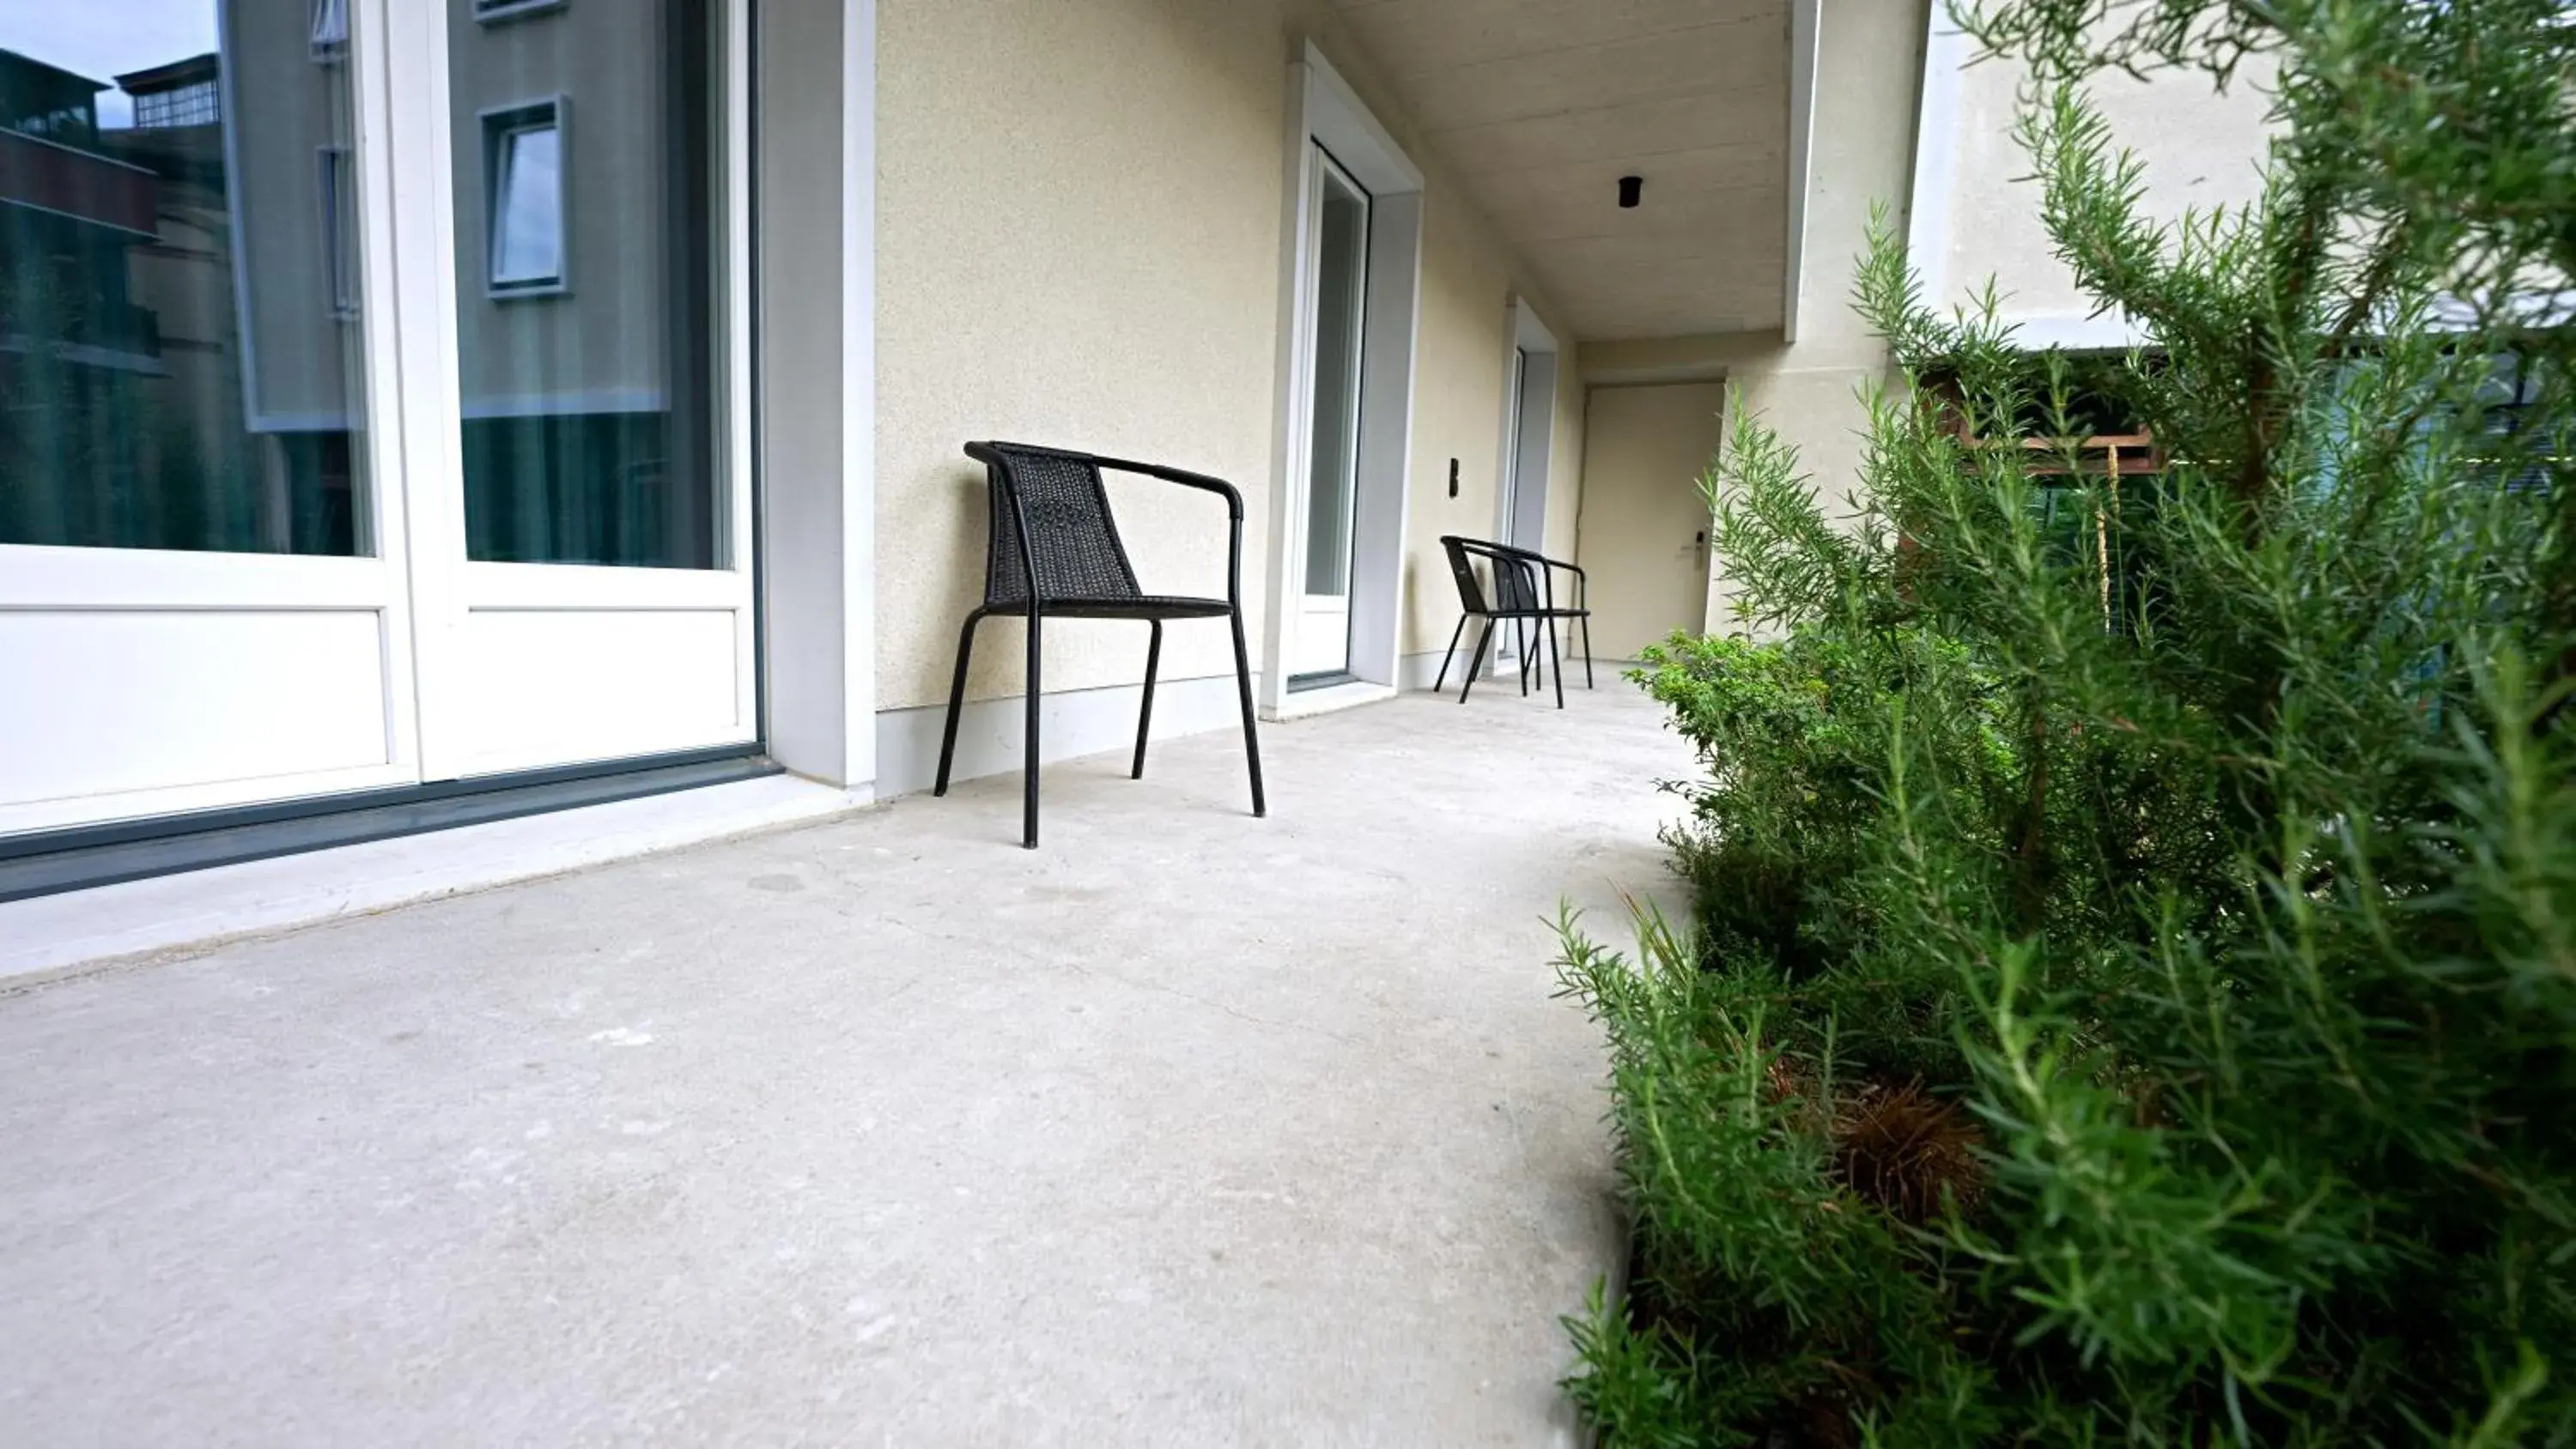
(581, 514)
(203, 552)
(1338, 261)
(1644, 528)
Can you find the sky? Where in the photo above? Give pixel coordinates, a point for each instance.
(99, 38)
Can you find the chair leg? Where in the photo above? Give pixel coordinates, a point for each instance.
(1029, 763)
(1448, 653)
(1484, 638)
(1520, 632)
(1243, 692)
(1587, 651)
(1145, 716)
(956, 700)
(1556, 661)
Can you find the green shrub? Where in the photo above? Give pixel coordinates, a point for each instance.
(2130, 994)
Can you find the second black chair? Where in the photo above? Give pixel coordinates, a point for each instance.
(1055, 553)
(1524, 594)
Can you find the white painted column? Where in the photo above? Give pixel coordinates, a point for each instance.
(816, 234)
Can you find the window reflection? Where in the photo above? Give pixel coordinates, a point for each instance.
(176, 371)
(584, 217)
(527, 243)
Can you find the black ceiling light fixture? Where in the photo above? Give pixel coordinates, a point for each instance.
(1631, 188)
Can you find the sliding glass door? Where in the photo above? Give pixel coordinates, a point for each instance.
(373, 395)
(589, 592)
(203, 560)
(1338, 257)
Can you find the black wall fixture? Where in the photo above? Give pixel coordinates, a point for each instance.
(1631, 188)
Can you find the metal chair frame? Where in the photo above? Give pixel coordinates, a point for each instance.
(1075, 566)
(1524, 593)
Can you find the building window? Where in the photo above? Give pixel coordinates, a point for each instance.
(523, 151)
(488, 11)
(339, 231)
(187, 105)
(330, 29)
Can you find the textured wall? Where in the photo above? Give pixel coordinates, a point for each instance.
(2200, 150)
(1079, 243)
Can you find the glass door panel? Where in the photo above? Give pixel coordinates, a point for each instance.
(583, 258)
(588, 598)
(201, 552)
(180, 339)
(1332, 456)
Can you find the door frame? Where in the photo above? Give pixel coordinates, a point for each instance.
(1530, 360)
(1327, 171)
(1527, 443)
(1324, 111)
(38, 578)
(448, 587)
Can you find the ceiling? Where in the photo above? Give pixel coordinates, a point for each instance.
(1540, 106)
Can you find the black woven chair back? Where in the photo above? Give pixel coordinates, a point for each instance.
(1471, 590)
(1516, 582)
(1073, 539)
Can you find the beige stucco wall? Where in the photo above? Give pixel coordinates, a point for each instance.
(1809, 391)
(1462, 365)
(1079, 242)
(2201, 149)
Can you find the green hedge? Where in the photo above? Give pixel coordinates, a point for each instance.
(2154, 1023)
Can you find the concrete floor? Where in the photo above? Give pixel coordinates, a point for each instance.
(1186, 1129)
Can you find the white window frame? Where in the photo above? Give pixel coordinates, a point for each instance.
(336, 179)
(498, 125)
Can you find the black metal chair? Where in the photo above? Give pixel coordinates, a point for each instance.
(1524, 594)
(1051, 524)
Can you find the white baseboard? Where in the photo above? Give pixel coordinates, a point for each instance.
(44, 935)
(1070, 724)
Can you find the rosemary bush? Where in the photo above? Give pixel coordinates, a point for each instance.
(2131, 994)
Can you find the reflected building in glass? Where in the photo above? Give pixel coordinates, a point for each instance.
(180, 299)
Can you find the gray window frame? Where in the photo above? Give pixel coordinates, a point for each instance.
(499, 124)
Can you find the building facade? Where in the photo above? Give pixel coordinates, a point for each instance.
(413, 402)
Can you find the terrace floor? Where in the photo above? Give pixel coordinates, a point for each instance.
(1187, 1128)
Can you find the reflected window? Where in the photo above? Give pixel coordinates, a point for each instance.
(587, 402)
(527, 205)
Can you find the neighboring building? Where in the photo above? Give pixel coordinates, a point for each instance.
(72, 340)
(578, 385)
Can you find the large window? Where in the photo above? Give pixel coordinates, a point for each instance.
(172, 371)
(585, 285)
(188, 105)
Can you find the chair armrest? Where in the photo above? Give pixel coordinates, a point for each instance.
(984, 453)
(1582, 581)
(1182, 476)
